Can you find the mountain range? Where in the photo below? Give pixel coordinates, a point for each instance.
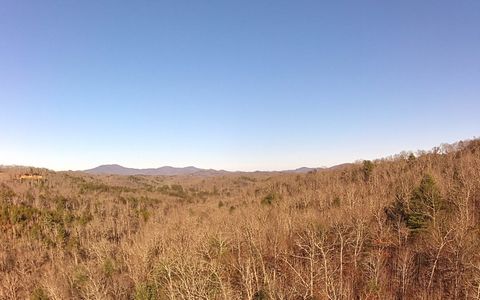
(115, 169)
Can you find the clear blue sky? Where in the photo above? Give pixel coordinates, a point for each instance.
(238, 85)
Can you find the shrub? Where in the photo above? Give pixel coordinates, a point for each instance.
(269, 199)
(108, 267)
(411, 159)
(367, 169)
(261, 295)
(397, 212)
(85, 218)
(146, 291)
(336, 202)
(39, 294)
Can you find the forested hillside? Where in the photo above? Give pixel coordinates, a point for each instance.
(405, 227)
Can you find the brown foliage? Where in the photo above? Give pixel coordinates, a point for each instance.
(405, 227)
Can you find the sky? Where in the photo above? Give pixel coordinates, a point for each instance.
(235, 85)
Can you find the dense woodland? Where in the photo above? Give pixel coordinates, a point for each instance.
(404, 227)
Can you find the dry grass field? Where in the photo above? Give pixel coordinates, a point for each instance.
(404, 227)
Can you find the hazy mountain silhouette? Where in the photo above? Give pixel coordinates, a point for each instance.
(115, 169)
(167, 170)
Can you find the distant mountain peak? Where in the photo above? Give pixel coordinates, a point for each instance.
(115, 169)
